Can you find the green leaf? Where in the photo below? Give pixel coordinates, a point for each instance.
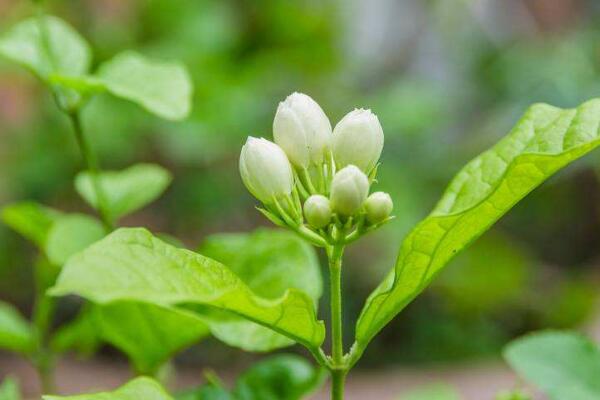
(282, 377)
(15, 332)
(71, 234)
(33, 221)
(149, 334)
(209, 391)
(127, 190)
(9, 390)
(269, 262)
(131, 264)
(139, 388)
(433, 392)
(163, 88)
(544, 140)
(59, 50)
(79, 334)
(564, 365)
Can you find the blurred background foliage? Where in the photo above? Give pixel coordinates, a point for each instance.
(446, 78)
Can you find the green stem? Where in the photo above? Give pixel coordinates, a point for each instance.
(93, 170)
(338, 368)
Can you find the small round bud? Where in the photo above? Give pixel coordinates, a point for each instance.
(378, 206)
(265, 170)
(317, 211)
(349, 190)
(358, 140)
(302, 130)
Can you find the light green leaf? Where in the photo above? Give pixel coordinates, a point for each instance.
(282, 377)
(9, 390)
(544, 140)
(15, 332)
(139, 388)
(127, 190)
(131, 264)
(71, 234)
(163, 88)
(269, 262)
(564, 365)
(64, 51)
(149, 334)
(433, 392)
(33, 221)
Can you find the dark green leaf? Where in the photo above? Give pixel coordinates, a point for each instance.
(131, 264)
(283, 377)
(15, 332)
(545, 140)
(60, 49)
(163, 88)
(127, 190)
(269, 262)
(564, 365)
(137, 389)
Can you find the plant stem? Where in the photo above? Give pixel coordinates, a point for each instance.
(92, 167)
(338, 368)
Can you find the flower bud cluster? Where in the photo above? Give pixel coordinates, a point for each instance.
(315, 179)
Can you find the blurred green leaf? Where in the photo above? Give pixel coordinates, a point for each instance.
(15, 332)
(127, 190)
(79, 335)
(9, 390)
(131, 264)
(282, 377)
(70, 234)
(60, 49)
(564, 365)
(546, 139)
(139, 388)
(269, 262)
(149, 334)
(33, 221)
(433, 392)
(163, 88)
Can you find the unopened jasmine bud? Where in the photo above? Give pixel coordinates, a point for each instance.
(302, 130)
(358, 140)
(378, 207)
(265, 170)
(317, 211)
(349, 190)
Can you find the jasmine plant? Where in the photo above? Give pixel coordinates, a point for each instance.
(316, 181)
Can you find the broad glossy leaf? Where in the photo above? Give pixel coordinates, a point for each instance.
(564, 365)
(9, 390)
(433, 392)
(70, 234)
(544, 140)
(64, 51)
(149, 334)
(15, 332)
(33, 221)
(283, 377)
(269, 262)
(137, 389)
(127, 190)
(131, 264)
(163, 88)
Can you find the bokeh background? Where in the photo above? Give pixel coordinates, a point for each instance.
(447, 79)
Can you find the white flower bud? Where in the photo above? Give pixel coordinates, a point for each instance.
(358, 140)
(317, 211)
(349, 190)
(302, 130)
(378, 206)
(265, 170)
